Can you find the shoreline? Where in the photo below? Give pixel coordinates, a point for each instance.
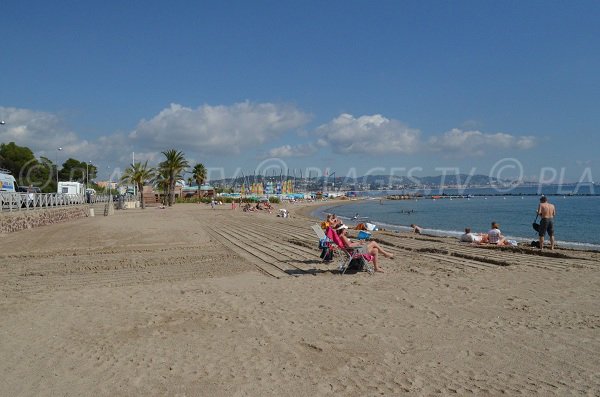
(440, 233)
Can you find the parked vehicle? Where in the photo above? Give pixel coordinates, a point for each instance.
(71, 188)
(7, 181)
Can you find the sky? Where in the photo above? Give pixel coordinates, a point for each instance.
(509, 89)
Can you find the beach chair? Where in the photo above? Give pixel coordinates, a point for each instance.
(349, 254)
(324, 243)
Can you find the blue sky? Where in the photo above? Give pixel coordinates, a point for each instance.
(346, 85)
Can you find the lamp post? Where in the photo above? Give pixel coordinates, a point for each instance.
(87, 173)
(57, 150)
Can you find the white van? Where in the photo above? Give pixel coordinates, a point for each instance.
(7, 181)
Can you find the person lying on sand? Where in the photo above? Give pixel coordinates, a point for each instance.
(371, 248)
(248, 208)
(477, 238)
(361, 226)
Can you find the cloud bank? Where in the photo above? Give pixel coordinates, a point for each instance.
(209, 130)
(213, 131)
(462, 143)
(40, 131)
(374, 134)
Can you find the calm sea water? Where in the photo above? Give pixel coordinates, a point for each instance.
(577, 223)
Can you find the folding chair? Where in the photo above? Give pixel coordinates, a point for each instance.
(324, 243)
(349, 254)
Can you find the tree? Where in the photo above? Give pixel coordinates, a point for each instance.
(199, 174)
(174, 165)
(45, 175)
(75, 170)
(19, 160)
(138, 174)
(72, 170)
(161, 180)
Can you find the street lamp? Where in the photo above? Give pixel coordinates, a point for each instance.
(87, 173)
(57, 150)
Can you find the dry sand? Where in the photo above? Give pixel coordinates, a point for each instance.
(190, 301)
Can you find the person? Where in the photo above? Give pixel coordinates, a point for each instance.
(470, 237)
(495, 235)
(547, 212)
(360, 226)
(371, 248)
(416, 229)
(331, 221)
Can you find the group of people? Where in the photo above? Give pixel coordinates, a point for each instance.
(545, 210)
(494, 236)
(371, 248)
(258, 207)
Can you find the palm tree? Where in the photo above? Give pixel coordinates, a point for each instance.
(138, 174)
(199, 174)
(173, 166)
(161, 180)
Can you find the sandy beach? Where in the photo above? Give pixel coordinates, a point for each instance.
(189, 301)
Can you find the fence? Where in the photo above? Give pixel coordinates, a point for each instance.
(31, 201)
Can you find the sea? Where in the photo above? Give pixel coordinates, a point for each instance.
(577, 221)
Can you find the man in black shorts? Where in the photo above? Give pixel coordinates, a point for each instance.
(547, 212)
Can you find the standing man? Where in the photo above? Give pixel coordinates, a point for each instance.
(547, 212)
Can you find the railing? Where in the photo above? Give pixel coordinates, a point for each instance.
(10, 201)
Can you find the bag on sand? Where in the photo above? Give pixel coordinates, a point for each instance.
(535, 244)
(535, 225)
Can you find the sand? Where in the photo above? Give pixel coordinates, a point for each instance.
(190, 301)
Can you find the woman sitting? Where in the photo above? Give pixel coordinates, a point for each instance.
(371, 248)
(495, 235)
(331, 221)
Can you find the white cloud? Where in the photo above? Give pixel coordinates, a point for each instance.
(40, 131)
(459, 142)
(44, 133)
(368, 134)
(303, 150)
(217, 129)
(242, 127)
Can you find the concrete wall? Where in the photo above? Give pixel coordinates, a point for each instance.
(15, 221)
